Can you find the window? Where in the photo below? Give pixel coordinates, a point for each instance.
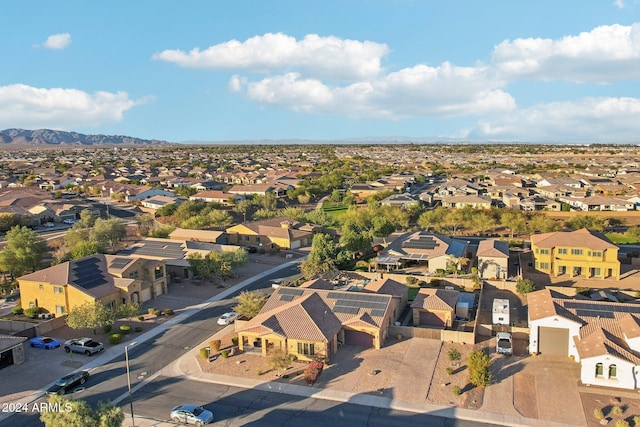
(159, 273)
(57, 289)
(544, 265)
(246, 238)
(599, 370)
(596, 271)
(544, 251)
(576, 251)
(257, 240)
(41, 287)
(562, 251)
(59, 309)
(613, 371)
(597, 254)
(537, 250)
(306, 348)
(133, 274)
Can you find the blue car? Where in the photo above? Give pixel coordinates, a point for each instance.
(44, 342)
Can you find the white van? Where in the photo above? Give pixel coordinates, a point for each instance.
(504, 343)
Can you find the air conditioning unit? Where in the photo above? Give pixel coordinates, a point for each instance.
(45, 316)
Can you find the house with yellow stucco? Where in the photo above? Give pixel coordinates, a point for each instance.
(282, 232)
(313, 323)
(110, 279)
(581, 253)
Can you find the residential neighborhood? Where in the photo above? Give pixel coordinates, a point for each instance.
(386, 249)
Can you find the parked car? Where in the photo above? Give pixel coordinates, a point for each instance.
(83, 345)
(504, 343)
(228, 318)
(69, 221)
(191, 414)
(68, 382)
(44, 342)
(49, 224)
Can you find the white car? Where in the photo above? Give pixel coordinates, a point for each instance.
(504, 343)
(49, 224)
(228, 318)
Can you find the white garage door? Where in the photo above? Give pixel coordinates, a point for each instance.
(553, 341)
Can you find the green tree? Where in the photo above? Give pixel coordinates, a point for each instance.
(354, 239)
(591, 222)
(524, 286)
(633, 232)
(145, 223)
(23, 251)
(250, 303)
(90, 315)
(86, 248)
(109, 232)
(78, 413)
(278, 360)
(542, 223)
(382, 227)
(482, 221)
(322, 257)
(432, 220)
(479, 363)
(515, 221)
(128, 311)
(87, 219)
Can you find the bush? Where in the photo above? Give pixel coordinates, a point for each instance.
(115, 338)
(617, 410)
(107, 328)
(151, 310)
(597, 412)
(313, 371)
(215, 345)
(224, 353)
(636, 421)
(261, 251)
(168, 311)
(141, 318)
(293, 357)
(456, 390)
(17, 310)
(32, 312)
(204, 353)
(274, 251)
(454, 355)
(449, 371)
(157, 312)
(524, 286)
(234, 340)
(138, 329)
(125, 329)
(622, 423)
(411, 280)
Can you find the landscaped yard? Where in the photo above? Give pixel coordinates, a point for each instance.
(620, 238)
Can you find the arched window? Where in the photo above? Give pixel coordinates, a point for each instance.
(613, 371)
(599, 369)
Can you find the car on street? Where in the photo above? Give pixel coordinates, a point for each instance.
(68, 383)
(228, 318)
(49, 224)
(83, 345)
(191, 414)
(44, 342)
(69, 221)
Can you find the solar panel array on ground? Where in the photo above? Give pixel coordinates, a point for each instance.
(157, 249)
(606, 311)
(88, 273)
(119, 263)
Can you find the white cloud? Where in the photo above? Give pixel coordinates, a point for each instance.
(313, 56)
(587, 120)
(57, 41)
(619, 4)
(236, 83)
(30, 107)
(605, 54)
(446, 91)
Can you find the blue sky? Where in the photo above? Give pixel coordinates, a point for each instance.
(565, 71)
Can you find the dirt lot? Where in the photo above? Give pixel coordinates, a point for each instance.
(614, 408)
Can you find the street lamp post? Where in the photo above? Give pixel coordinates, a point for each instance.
(126, 361)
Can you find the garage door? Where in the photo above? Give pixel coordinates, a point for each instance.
(158, 289)
(553, 341)
(145, 294)
(360, 338)
(427, 318)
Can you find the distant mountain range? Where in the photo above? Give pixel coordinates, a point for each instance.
(57, 137)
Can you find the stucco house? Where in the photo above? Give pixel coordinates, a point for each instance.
(580, 253)
(434, 307)
(110, 279)
(493, 259)
(283, 232)
(604, 337)
(313, 323)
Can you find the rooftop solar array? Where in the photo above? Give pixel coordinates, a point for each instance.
(88, 273)
(601, 309)
(351, 303)
(288, 294)
(119, 263)
(595, 313)
(172, 250)
(422, 242)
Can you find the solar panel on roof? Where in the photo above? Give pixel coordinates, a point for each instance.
(119, 262)
(595, 313)
(86, 262)
(377, 313)
(286, 297)
(345, 310)
(291, 291)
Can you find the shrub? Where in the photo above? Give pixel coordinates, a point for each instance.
(224, 353)
(151, 310)
(168, 311)
(204, 353)
(524, 286)
(157, 312)
(274, 251)
(261, 251)
(17, 310)
(141, 318)
(125, 329)
(234, 340)
(456, 390)
(293, 357)
(617, 410)
(622, 423)
(636, 421)
(411, 280)
(215, 345)
(454, 355)
(32, 312)
(597, 412)
(107, 328)
(115, 338)
(449, 371)
(479, 363)
(259, 372)
(313, 371)
(138, 329)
